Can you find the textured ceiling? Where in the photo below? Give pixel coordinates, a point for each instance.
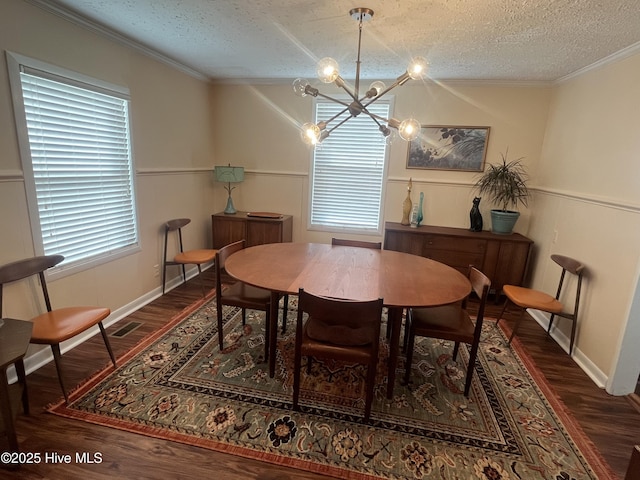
(495, 40)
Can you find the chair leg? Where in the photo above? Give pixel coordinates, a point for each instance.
(410, 344)
(407, 327)
(297, 360)
(550, 323)
(309, 364)
(201, 280)
(220, 333)
(244, 316)
(267, 331)
(184, 273)
(456, 347)
(285, 307)
(55, 348)
(515, 327)
(371, 379)
(390, 324)
(470, 368)
(573, 335)
(107, 343)
(504, 307)
(164, 276)
(22, 378)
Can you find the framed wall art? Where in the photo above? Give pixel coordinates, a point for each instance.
(449, 147)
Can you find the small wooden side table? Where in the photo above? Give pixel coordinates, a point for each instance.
(14, 341)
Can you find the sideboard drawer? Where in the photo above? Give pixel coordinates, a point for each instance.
(457, 260)
(435, 242)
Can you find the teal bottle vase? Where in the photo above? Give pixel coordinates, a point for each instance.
(420, 208)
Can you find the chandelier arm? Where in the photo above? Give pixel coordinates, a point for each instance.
(375, 117)
(343, 121)
(340, 83)
(333, 99)
(336, 116)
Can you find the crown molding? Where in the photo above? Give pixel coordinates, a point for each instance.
(94, 27)
(615, 57)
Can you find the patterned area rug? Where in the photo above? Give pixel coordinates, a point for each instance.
(177, 385)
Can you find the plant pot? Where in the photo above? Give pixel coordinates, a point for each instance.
(502, 222)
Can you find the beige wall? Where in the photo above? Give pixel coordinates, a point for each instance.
(588, 179)
(172, 148)
(278, 162)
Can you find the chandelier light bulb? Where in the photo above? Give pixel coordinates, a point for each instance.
(299, 86)
(310, 133)
(418, 68)
(409, 129)
(327, 70)
(378, 86)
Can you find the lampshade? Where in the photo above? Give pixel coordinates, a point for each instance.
(229, 174)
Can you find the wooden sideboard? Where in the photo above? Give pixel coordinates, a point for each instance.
(227, 229)
(503, 258)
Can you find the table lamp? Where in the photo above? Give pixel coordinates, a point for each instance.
(229, 175)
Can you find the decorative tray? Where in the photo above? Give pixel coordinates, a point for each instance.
(264, 214)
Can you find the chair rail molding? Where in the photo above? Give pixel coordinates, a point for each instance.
(11, 176)
(605, 202)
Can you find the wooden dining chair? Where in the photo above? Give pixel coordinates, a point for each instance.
(182, 258)
(535, 299)
(341, 330)
(450, 322)
(240, 294)
(55, 326)
(356, 243)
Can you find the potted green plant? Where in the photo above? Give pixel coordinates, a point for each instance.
(504, 184)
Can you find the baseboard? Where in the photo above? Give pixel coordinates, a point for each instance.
(43, 356)
(595, 374)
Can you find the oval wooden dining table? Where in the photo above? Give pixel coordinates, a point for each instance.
(402, 280)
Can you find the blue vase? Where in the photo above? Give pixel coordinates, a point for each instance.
(420, 208)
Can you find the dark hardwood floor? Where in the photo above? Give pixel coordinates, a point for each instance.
(612, 423)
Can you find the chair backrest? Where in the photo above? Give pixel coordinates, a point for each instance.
(480, 284)
(176, 224)
(27, 267)
(345, 320)
(574, 267)
(221, 257)
(356, 243)
(171, 226)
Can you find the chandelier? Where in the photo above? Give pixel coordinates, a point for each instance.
(328, 72)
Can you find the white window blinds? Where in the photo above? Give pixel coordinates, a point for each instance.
(348, 171)
(80, 160)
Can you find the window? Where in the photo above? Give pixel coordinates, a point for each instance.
(76, 157)
(347, 174)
